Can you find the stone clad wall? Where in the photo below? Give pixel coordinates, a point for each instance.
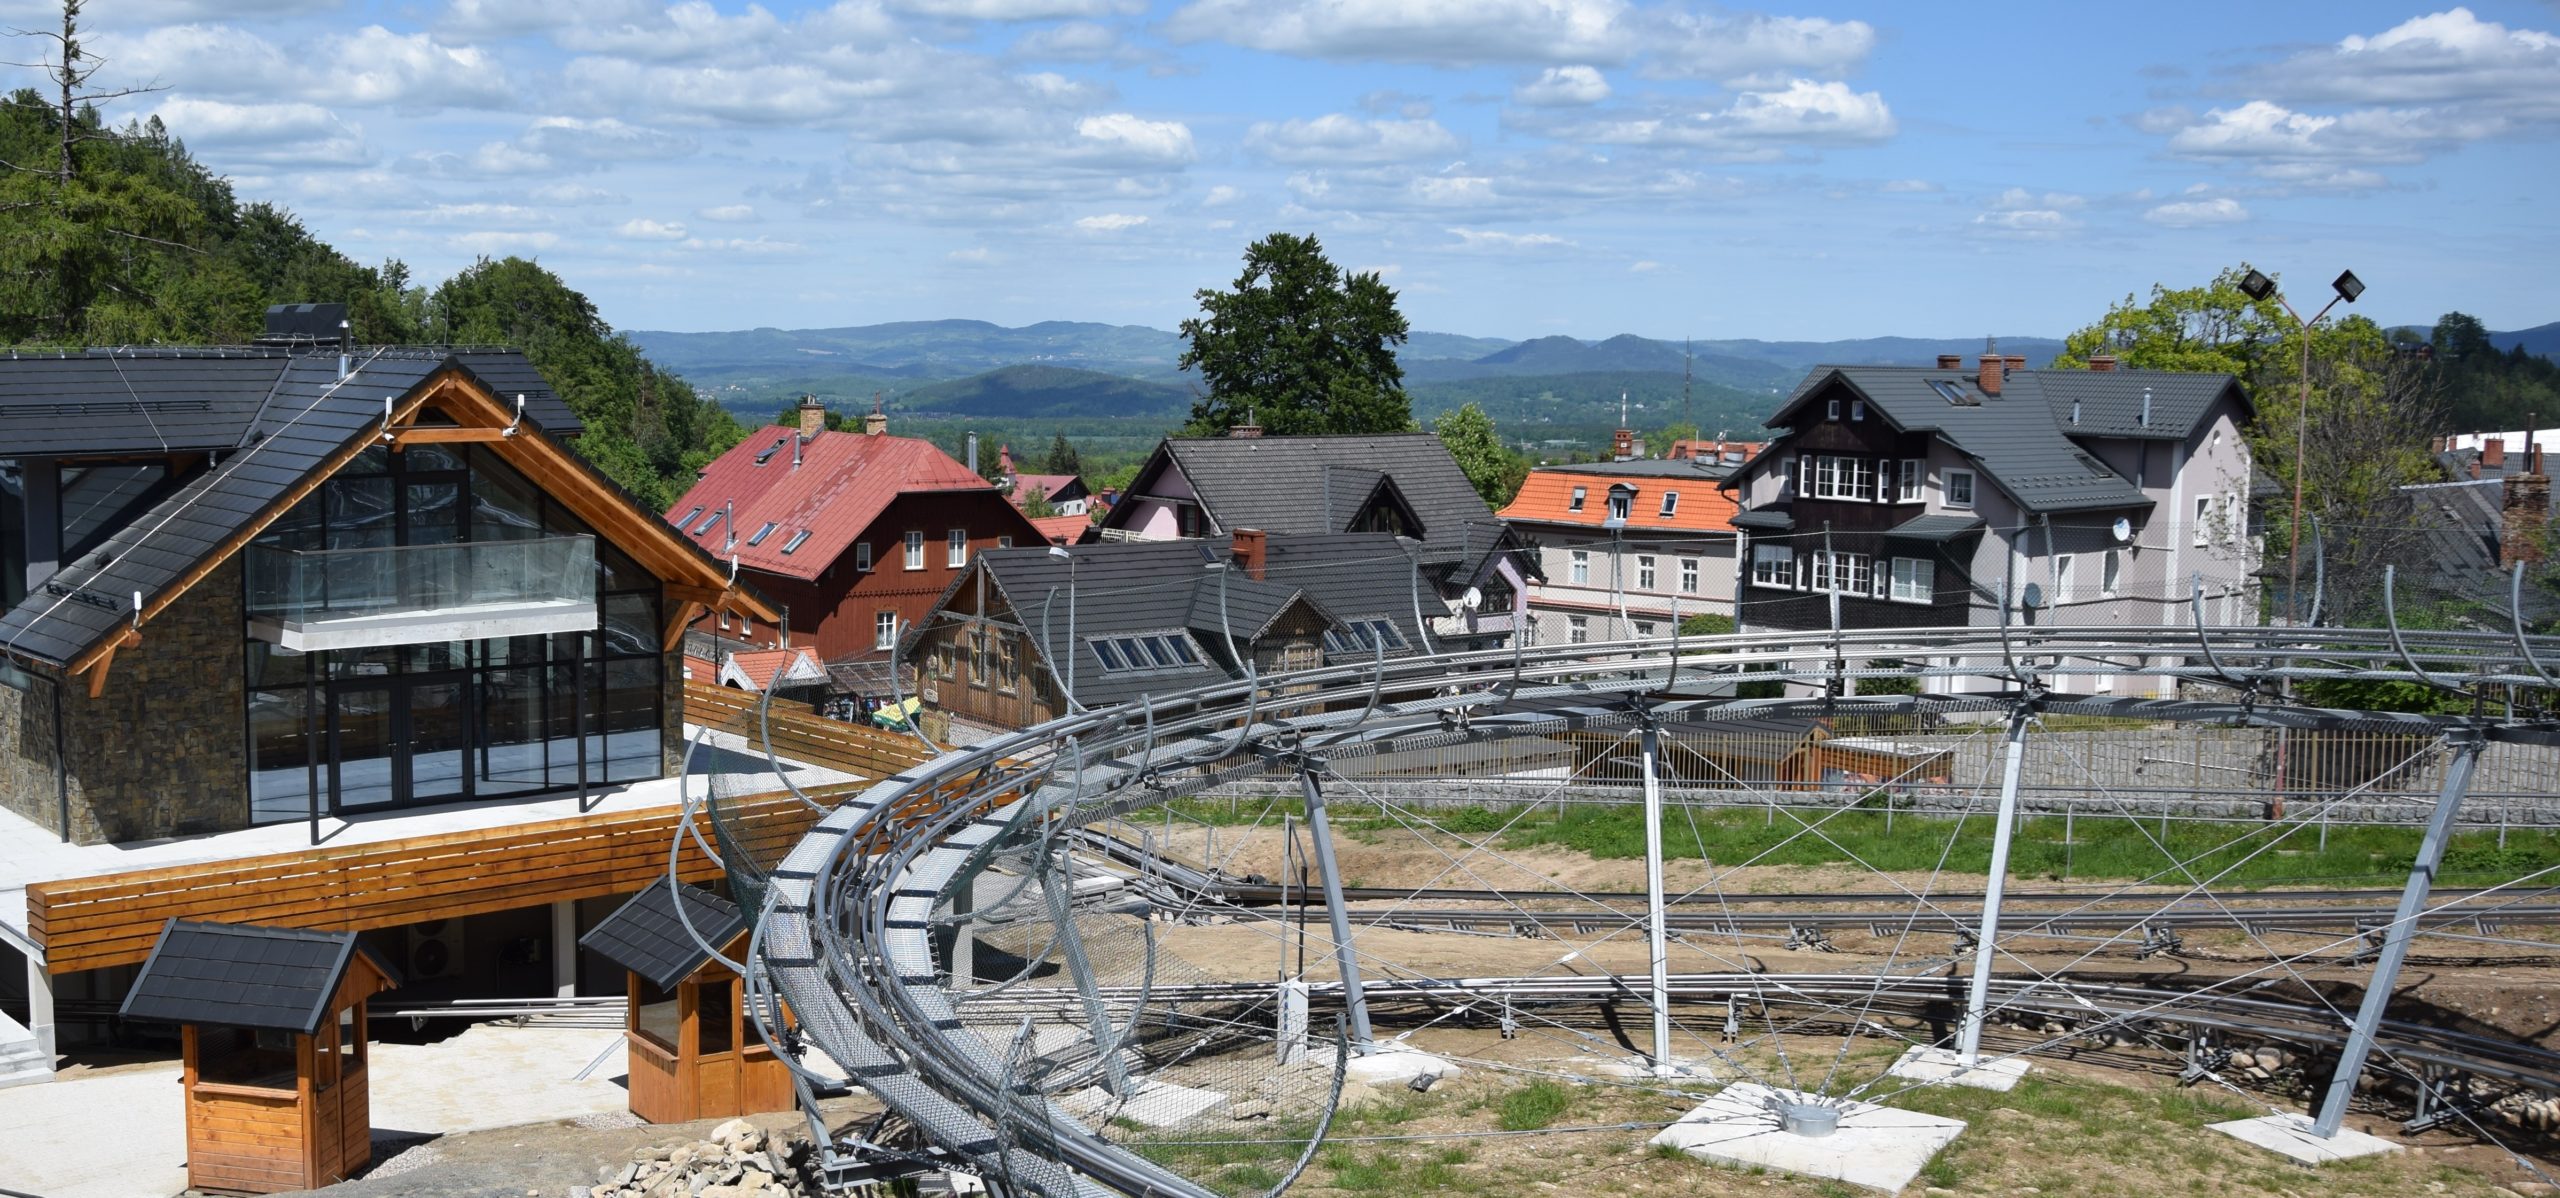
(28, 783)
(164, 751)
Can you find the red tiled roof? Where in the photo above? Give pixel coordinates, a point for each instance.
(844, 481)
(1546, 496)
(1047, 484)
(1062, 530)
(700, 669)
(759, 665)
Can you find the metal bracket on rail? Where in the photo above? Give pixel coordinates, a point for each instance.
(2399, 645)
(2443, 1097)
(2158, 939)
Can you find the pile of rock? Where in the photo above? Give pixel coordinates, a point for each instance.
(738, 1161)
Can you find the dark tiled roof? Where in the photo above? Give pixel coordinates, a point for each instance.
(1935, 526)
(2022, 437)
(242, 975)
(1280, 484)
(1763, 520)
(145, 400)
(645, 936)
(1694, 469)
(1125, 588)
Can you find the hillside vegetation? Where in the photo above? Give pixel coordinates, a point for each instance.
(139, 244)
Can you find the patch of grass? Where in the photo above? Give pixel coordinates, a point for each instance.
(2101, 847)
(1941, 1172)
(1535, 1105)
(1251, 1179)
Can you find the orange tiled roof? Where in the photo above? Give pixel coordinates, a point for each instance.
(1062, 530)
(1547, 496)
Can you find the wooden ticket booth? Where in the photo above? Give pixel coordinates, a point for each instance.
(272, 1021)
(694, 1053)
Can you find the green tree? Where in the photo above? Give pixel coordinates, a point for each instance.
(1035, 504)
(1062, 458)
(1298, 347)
(1495, 471)
(2365, 431)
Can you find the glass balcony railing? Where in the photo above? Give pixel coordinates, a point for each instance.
(310, 599)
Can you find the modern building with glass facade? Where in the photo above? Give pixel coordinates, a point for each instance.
(259, 584)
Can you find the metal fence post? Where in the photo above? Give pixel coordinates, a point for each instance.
(2466, 746)
(1656, 938)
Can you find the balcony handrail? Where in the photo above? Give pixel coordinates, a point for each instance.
(301, 583)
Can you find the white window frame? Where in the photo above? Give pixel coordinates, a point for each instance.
(1644, 572)
(1831, 409)
(1844, 478)
(1577, 630)
(915, 549)
(884, 629)
(1914, 473)
(2062, 580)
(1688, 576)
(1915, 580)
(2111, 573)
(1645, 630)
(1774, 566)
(1622, 504)
(1578, 567)
(1005, 541)
(1948, 487)
(1579, 495)
(1670, 503)
(955, 548)
(861, 556)
(1857, 409)
(2204, 521)
(2230, 517)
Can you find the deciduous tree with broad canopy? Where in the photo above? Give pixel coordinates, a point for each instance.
(1298, 347)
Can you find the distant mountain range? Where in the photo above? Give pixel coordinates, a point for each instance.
(1058, 368)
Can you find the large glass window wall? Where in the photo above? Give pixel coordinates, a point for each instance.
(350, 730)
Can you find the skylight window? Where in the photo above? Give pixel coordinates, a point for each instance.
(797, 540)
(687, 522)
(1364, 636)
(1954, 394)
(712, 523)
(771, 450)
(764, 532)
(1148, 651)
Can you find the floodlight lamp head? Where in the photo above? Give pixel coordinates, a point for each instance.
(2347, 285)
(2257, 286)
(1060, 552)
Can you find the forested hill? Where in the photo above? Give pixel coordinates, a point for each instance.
(139, 244)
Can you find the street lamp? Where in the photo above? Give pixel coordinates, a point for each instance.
(2259, 287)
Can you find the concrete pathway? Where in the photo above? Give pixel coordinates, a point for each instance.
(123, 1134)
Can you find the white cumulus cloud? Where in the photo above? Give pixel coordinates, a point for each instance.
(1561, 87)
(641, 228)
(1337, 139)
(1110, 222)
(2188, 214)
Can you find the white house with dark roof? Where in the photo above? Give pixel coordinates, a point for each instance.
(1954, 495)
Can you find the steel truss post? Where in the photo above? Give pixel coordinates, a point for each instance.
(1977, 998)
(2466, 746)
(1106, 1036)
(1656, 939)
(1320, 830)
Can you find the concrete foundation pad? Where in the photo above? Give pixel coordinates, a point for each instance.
(1877, 1147)
(1927, 1064)
(1155, 1104)
(1396, 1065)
(2289, 1136)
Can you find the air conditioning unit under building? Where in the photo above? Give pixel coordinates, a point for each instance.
(435, 950)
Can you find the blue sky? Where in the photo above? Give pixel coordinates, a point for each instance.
(1513, 167)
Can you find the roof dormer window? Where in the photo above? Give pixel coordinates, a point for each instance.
(1575, 505)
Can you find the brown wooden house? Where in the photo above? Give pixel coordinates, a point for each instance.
(273, 1028)
(694, 1053)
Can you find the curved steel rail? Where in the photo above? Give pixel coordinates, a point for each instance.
(845, 931)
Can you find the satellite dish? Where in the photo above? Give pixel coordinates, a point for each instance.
(1474, 599)
(2123, 530)
(2032, 597)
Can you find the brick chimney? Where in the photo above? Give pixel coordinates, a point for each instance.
(877, 422)
(1247, 549)
(2526, 511)
(2435, 445)
(1246, 430)
(1989, 372)
(1950, 361)
(2493, 453)
(813, 417)
(2015, 361)
(2102, 363)
(1624, 445)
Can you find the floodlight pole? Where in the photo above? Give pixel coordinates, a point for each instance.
(2466, 745)
(1656, 938)
(2260, 287)
(1977, 998)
